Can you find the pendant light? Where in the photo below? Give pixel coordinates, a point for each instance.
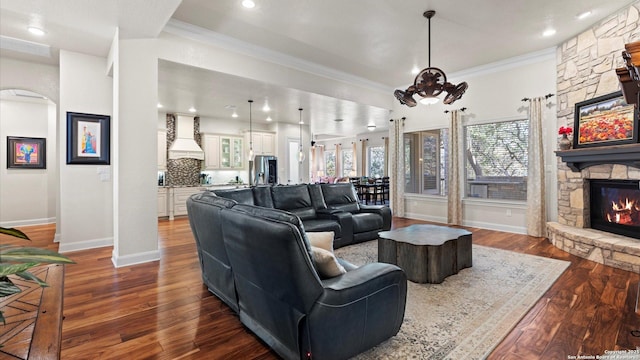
(251, 158)
(301, 153)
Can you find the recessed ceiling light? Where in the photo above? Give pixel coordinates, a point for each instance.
(584, 15)
(371, 127)
(159, 106)
(269, 118)
(192, 109)
(549, 32)
(36, 31)
(235, 114)
(338, 120)
(415, 70)
(266, 107)
(249, 4)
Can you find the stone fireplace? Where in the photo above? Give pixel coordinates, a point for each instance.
(573, 233)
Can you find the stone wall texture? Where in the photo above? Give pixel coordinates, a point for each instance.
(586, 69)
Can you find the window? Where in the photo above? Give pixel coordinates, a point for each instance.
(496, 160)
(347, 162)
(426, 161)
(330, 162)
(376, 161)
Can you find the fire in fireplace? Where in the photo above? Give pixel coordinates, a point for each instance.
(615, 206)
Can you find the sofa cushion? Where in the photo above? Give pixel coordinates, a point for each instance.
(316, 225)
(364, 222)
(294, 198)
(326, 263)
(341, 197)
(241, 196)
(262, 196)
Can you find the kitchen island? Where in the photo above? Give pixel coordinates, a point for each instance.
(172, 200)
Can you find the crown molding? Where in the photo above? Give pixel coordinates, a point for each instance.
(506, 64)
(190, 31)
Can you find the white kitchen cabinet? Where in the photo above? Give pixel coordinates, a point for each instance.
(162, 150)
(211, 148)
(263, 143)
(231, 152)
(163, 202)
(179, 196)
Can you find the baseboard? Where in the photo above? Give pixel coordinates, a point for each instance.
(30, 222)
(57, 237)
(133, 259)
(84, 245)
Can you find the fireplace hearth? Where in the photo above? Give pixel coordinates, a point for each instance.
(615, 206)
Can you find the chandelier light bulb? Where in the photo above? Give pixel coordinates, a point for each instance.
(429, 100)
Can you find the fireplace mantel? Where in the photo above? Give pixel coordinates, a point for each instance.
(578, 159)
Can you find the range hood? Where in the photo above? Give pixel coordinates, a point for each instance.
(185, 147)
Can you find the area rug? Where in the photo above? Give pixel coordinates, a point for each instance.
(470, 313)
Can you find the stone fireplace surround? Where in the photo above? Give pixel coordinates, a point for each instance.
(572, 233)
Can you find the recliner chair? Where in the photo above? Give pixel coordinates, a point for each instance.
(283, 301)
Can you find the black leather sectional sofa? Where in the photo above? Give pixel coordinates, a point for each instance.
(258, 260)
(321, 207)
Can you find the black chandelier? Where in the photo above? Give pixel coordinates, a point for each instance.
(431, 82)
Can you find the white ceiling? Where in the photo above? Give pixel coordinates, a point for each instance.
(378, 41)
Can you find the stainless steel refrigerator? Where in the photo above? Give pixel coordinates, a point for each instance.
(265, 170)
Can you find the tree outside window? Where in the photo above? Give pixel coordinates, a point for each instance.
(347, 162)
(330, 162)
(376, 161)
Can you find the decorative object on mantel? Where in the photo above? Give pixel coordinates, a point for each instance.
(629, 75)
(605, 120)
(564, 143)
(430, 82)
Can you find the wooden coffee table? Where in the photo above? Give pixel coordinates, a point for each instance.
(426, 253)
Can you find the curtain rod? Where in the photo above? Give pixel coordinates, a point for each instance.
(461, 109)
(546, 97)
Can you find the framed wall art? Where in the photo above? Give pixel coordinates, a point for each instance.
(26, 153)
(605, 120)
(88, 139)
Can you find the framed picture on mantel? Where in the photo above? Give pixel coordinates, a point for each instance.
(605, 120)
(88, 139)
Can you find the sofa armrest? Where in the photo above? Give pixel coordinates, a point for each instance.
(357, 310)
(383, 211)
(343, 218)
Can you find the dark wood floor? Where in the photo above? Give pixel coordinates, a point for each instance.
(161, 310)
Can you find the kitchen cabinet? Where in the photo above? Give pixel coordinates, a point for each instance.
(211, 148)
(222, 152)
(163, 202)
(178, 200)
(231, 152)
(263, 142)
(162, 150)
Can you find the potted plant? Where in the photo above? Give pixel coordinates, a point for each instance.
(16, 260)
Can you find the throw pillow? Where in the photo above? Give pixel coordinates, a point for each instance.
(322, 239)
(326, 263)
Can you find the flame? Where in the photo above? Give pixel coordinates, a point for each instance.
(628, 205)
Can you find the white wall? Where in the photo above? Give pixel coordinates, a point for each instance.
(495, 93)
(86, 202)
(28, 195)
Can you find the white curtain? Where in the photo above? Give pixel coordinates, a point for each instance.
(364, 157)
(396, 166)
(454, 206)
(536, 206)
(354, 163)
(338, 161)
(386, 155)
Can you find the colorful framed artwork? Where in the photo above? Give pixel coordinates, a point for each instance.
(605, 120)
(26, 153)
(88, 139)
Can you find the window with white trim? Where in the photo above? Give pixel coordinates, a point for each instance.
(426, 161)
(496, 160)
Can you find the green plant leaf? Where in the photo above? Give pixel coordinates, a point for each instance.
(30, 254)
(13, 232)
(8, 288)
(29, 276)
(10, 269)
